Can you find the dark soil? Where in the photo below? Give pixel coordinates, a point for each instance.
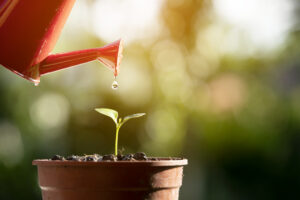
(140, 156)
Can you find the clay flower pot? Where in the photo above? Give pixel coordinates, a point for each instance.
(107, 180)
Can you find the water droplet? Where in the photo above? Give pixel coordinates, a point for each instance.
(115, 85)
(36, 83)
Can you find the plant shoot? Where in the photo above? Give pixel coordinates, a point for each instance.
(118, 121)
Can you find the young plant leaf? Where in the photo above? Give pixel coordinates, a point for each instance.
(137, 115)
(109, 112)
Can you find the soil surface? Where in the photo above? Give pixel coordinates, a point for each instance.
(140, 156)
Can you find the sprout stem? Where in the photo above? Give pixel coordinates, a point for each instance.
(116, 141)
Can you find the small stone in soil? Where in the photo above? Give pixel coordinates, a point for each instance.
(128, 157)
(96, 155)
(109, 157)
(57, 157)
(75, 158)
(120, 156)
(140, 156)
(99, 159)
(90, 158)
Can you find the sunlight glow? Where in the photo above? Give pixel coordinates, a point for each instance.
(267, 22)
(127, 19)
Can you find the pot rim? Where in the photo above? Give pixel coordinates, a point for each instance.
(162, 162)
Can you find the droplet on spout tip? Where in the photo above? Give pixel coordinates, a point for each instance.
(36, 83)
(115, 85)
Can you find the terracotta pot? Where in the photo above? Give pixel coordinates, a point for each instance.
(134, 180)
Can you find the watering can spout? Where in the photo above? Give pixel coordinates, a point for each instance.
(110, 55)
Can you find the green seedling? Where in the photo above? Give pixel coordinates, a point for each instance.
(118, 121)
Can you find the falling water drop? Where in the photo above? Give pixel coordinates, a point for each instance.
(115, 85)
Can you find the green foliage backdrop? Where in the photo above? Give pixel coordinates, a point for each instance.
(235, 115)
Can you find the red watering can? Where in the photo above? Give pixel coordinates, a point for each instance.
(29, 30)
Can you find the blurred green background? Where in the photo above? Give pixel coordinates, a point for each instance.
(219, 81)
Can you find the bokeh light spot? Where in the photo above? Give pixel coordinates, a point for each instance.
(135, 87)
(11, 145)
(227, 92)
(50, 111)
